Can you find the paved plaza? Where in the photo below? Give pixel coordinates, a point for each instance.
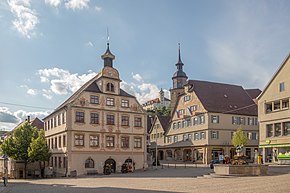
(164, 180)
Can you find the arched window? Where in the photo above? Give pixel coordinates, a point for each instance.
(89, 163)
(110, 87)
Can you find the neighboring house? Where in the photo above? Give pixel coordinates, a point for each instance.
(157, 134)
(15, 168)
(100, 124)
(157, 103)
(274, 114)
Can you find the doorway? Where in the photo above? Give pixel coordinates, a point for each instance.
(112, 163)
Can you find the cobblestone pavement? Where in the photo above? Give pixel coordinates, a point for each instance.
(165, 180)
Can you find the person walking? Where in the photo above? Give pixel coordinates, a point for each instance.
(221, 158)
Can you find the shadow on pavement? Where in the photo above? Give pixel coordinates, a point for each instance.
(19, 187)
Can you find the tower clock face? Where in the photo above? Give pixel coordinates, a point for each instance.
(110, 73)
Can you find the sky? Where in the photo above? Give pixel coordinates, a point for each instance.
(49, 48)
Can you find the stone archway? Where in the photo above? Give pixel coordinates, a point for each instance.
(112, 163)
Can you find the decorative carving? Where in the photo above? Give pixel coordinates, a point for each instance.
(82, 101)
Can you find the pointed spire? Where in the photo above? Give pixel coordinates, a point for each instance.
(179, 57)
(108, 57)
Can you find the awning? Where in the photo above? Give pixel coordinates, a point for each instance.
(275, 145)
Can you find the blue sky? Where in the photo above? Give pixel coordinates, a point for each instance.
(49, 48)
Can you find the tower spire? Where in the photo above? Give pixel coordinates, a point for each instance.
(108, 57)
(179, 57)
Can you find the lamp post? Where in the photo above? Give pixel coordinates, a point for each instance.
(156, 154)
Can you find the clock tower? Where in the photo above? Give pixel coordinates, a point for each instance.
(179, 80)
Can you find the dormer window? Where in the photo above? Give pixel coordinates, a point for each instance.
(110, 87)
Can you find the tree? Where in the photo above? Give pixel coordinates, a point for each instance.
(159, 111)
(239, 139)
(39, 151)
(17, 144)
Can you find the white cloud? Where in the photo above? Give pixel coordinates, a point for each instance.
(53, 3)
(62, 82)
(137, 77)
(32, 92)
(98, 9)
(141, 90)
(90, 44)
(9, 120)
(77, 4)
(26, 18)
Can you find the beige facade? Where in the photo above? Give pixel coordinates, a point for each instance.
(99, 124)
(200, 133)
(274, 114)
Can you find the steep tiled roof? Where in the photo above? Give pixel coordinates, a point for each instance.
(164, 121)
(223, 98)
(254, 93)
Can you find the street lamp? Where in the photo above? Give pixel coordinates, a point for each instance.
(156, 148)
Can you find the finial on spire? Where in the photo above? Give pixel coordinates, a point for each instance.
(179, 57)
(108, 36)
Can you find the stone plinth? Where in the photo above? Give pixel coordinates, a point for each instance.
(242, 170)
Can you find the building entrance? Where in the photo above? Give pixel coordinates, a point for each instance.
(111, 164)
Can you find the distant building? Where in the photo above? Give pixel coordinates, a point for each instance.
(204, 117)
(157, 103)
(15, 168)
(274, 114)
(99, 125)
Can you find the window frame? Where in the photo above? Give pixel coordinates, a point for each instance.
(80, 117)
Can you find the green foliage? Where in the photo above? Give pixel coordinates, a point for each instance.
(16, 145)
(159, 111)
(240, 138)
(38, 150)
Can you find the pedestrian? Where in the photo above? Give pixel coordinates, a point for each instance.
(221, 158)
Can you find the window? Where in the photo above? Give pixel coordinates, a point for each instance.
(238, 120)
(169, 139)
(215, 119)
(249, 135)
(80, 117)
(54, 121)
(64, 141)
(185, 137)
(277, 129)
(174, 125)
(254, 136)
(137, 142)
(269, 130)
(55, 144)
(195, 121)
(201, 119)
(189, 123)
(110, 87)
(269, 107)
(110, 102)
(59, 141)
(63, 118)
(94, 118)
(125, 103)
(79, 140)
(58, 119)
(94, 99)
(89, 163)
(48, 124)
(193, 108)
(285, 104)
(138, 122)
(196, 136)
(182, 124)
(175, 138)
(52, 143)
(286, 128)
(125, 120)
(189, 136)
(202, 135)
(125, 142)
(178, 125)
(282, 87)
(186, 98)
(276, 105)
(214, 134)
(94, 141)
(110, 119)
(110, 141)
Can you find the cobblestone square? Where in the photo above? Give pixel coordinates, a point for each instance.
(179, 179)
